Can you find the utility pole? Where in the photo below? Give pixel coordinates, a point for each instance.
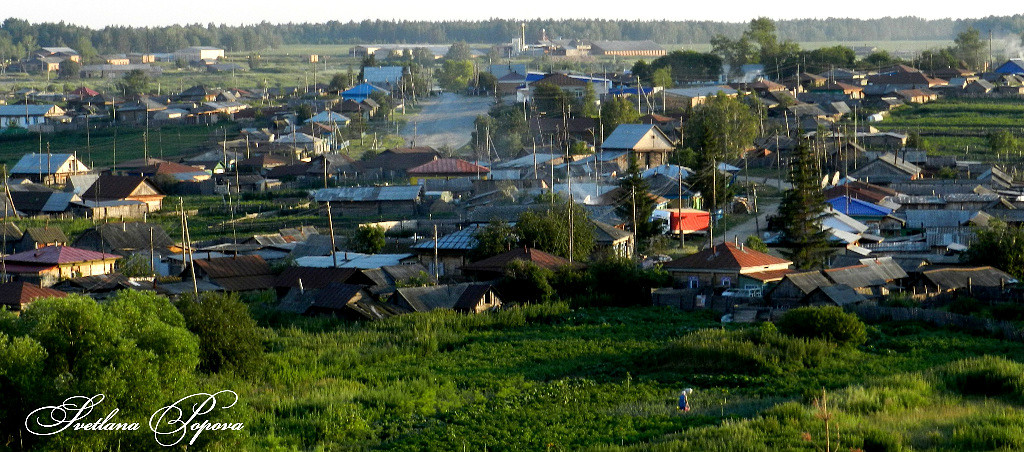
(330, 225)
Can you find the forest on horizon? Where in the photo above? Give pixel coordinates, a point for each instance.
(18, 36)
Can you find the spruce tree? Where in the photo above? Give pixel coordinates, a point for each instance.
(634, 191)
(801, 211)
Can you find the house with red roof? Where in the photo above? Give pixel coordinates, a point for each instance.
(447, 169)
(17, 295)
(494, 266)
(48, 265)
(729, 265)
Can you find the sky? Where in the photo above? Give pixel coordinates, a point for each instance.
(99, 13)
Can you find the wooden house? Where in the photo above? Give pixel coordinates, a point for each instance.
(494, 267)
(48, 265)
(646, 142)
(232, 274)
(469, 298)
(125, 188)
(41, 237)
(728, 265)
(17, 295)
(50, 169)
(887, 168)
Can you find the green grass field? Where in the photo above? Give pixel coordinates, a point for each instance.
(99, 148)
(954, 126)
(545, 378)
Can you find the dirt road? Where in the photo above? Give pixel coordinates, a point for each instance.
(445, 121)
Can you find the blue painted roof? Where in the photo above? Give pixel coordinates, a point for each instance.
(1012, 66)
(857, 208)
(362, 89)
(628, 91)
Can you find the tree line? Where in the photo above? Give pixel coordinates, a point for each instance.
(17, 36)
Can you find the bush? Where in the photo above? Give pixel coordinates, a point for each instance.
(748, 352)
(228, 337)
(889, 395)
(830, 323)
(988, 376)
(526, 282)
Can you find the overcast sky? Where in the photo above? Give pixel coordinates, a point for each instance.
(99, 13)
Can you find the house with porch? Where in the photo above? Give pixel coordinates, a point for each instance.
(646, 142)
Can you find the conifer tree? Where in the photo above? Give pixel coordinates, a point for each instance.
(801, 211)
(635, 202)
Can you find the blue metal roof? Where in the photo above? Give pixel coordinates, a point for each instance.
(857, 208)
(1012, 66)
(362, 89)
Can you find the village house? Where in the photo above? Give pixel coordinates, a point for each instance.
(349, 301)
(646, 142)
(980, 282)
(446, 169)
(27, 116)
(451, 251)
(232, 274)
(728, 265)
(469, 298)
(125, 188)
(494, 267)
(49, 169)
(390, 200)
(688, 98)
(48, 265)
(17, 295)
(41, 237)
(887, 168)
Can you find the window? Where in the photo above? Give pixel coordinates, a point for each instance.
(693, 282)
(726, 281)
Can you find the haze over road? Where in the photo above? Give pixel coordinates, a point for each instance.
(446, 120)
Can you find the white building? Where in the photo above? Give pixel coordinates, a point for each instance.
(199, 53)
(27, 115)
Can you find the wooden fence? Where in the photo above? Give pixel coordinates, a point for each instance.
(1006, 330)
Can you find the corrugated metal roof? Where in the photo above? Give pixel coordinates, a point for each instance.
(496, 264)
(25, 110)
(462, 240)
(368, 194)
(46, 164)
(630, 136)
(726, 256)
(922, 219)
(448, 167)
(58, 255)
(353, 260)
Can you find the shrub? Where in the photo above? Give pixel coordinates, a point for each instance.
(889, 395)
(749, 352)
(830, 323)
(526, 282)
(988, 376)
(228, 337)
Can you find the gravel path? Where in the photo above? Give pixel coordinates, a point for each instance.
(445, 121)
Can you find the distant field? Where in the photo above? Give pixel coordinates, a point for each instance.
(166, 142)
(953, 126)
(890, 46)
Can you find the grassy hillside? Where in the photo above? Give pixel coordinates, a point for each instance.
(545, 378)
(952, 126)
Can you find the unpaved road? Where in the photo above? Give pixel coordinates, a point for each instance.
(445, 121)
